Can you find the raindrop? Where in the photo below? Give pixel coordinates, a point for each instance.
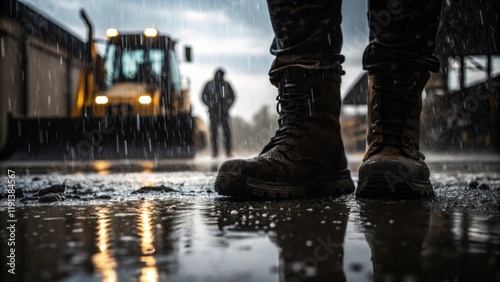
(2, 48)
(234, 212)
(309, 103)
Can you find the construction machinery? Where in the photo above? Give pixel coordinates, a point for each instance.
(129, 103)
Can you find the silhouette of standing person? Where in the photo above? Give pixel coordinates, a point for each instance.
(219, 96)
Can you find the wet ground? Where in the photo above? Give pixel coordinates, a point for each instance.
(149, 221)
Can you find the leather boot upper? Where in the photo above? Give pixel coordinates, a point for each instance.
(393, 116)
(307, 143)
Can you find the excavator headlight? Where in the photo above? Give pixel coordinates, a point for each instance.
(111, 32)
(145, 99)
(150, 32)
(101, 100)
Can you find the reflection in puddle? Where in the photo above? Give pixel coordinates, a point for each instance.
(102, 167)
(149, 272)
(147, 166)
(104, 261)
(195, 239)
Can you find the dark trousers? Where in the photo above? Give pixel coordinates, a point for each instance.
(215, 121)
(308, 34)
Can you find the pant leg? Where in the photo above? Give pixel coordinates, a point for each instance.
(226, 127)
(307, 34)
(214, 128)
(402, 34)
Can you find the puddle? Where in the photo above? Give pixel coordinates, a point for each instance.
(216, 239)
(183, 231)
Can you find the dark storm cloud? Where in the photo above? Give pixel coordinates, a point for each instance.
(218, 19)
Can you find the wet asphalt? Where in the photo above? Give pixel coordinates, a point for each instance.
(162, 221)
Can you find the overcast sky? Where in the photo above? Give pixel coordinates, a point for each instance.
(233, 34)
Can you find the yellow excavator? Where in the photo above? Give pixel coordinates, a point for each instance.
(130, 103)
(138, 76)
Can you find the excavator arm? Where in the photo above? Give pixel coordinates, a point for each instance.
(86, 81)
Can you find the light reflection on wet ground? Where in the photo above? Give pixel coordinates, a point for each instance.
(188, 233)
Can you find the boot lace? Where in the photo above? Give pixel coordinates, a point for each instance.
(391, 120)
(292, 112)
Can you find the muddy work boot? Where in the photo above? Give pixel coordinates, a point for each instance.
(392, 166)
(306, 156)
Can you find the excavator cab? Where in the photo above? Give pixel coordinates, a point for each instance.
(140, 76)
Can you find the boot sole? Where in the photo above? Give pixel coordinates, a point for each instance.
(241, 186)
(384, 185)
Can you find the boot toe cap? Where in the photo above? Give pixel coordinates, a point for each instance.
(393, 177)
(402, 166)
(249, 168)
